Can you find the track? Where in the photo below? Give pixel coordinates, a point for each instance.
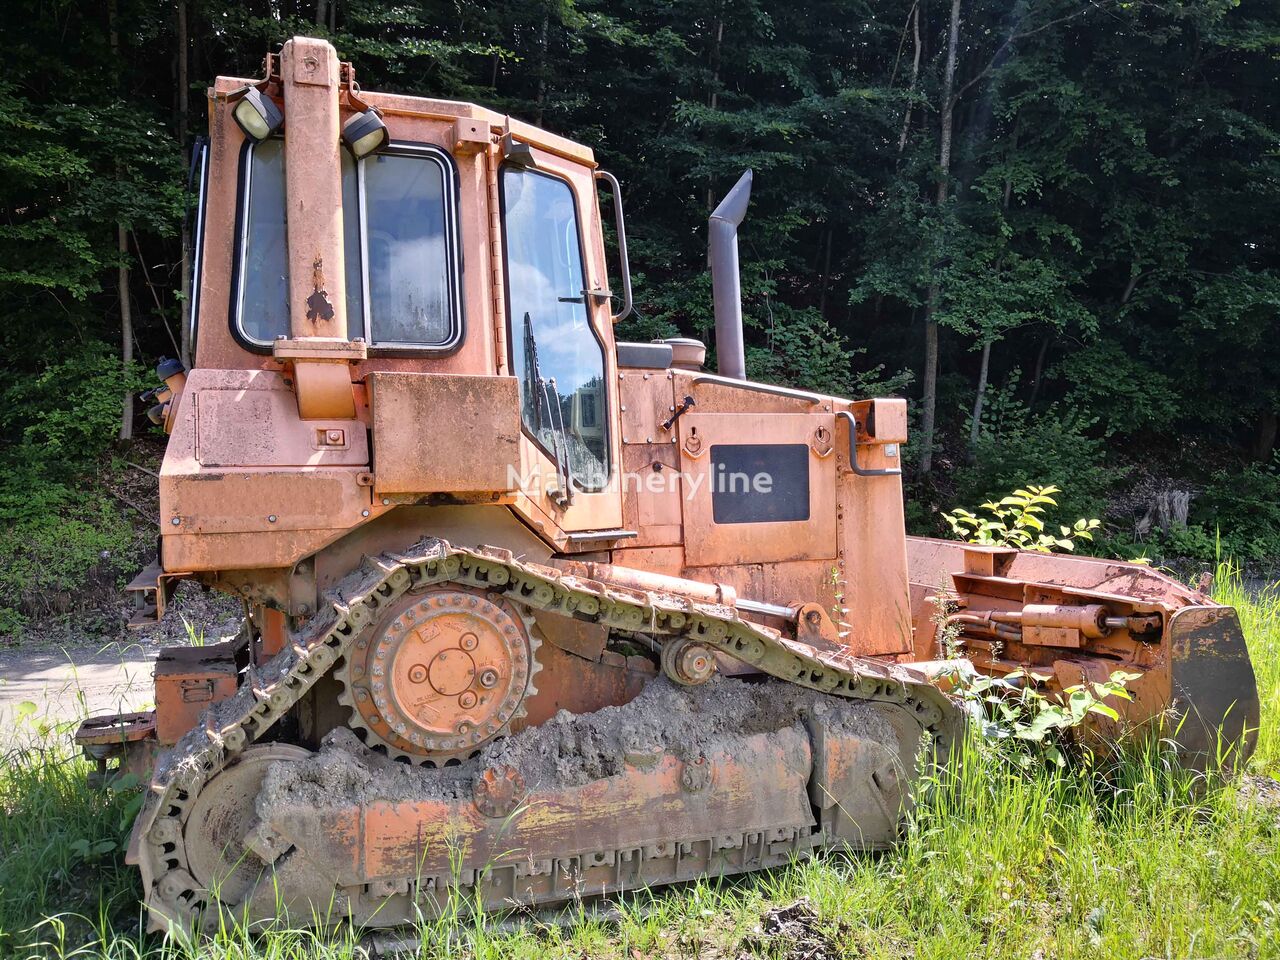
(232, 727)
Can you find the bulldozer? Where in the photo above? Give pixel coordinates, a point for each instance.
(533, 614)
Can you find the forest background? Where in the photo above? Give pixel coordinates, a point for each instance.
(1051, 224)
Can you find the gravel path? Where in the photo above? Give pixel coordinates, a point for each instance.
(70, 683)
(70, 677)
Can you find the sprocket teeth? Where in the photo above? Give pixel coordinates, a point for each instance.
(373, 655)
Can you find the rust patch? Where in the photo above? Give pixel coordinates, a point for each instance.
(318, 305)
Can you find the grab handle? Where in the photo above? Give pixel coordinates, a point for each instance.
(853, 451)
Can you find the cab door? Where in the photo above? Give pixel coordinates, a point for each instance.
(560, 346)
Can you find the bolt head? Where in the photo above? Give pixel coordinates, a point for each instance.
(176, 521)
(489, 678)
(271, 518)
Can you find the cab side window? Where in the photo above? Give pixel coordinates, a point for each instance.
(400, 246)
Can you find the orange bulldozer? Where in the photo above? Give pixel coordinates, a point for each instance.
(534, 614)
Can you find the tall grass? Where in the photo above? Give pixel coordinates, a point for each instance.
(1259, 611)
(1133, 860)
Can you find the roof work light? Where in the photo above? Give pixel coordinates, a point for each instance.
(364, 133)
(256, 115)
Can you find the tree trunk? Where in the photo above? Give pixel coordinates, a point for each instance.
(713, 100)
(1134, 276)
(975, 429)
(826, 274)
(122, 247)
(185, 333)
(915, 74)
(321, 13)
(980, 397)
(929, 400)
(1265, 439)
(126, 328)
(1038, 374)
(540, 101)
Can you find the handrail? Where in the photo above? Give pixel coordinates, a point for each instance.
(853, 451)
(621, 227)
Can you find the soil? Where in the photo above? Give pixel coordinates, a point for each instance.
(571, 750)
(1263, 792)
(793, 932)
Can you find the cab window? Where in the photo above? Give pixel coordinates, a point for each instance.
(400, 247)
(555, 354)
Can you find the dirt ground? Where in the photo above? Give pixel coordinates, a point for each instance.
(68, 676)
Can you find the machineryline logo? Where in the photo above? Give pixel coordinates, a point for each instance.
(656, 480)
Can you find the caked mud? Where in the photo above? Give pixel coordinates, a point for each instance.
(572, 750)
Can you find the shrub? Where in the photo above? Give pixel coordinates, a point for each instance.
(1054, 448)
(54, 536)
(1017, 520)
(1243, 507)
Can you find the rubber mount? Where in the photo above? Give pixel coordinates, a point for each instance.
(442, 677)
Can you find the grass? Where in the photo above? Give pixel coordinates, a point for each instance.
(1141, 862)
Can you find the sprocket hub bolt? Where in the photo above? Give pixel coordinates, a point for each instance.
(467, 700)
(418, 673)
(469, 641)
(489, 678)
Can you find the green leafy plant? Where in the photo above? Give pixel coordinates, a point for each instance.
(1012, 708)
(1017, 521)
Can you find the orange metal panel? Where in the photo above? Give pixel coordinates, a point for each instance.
(260, 427)
(872, 571)
(708, 543)
(764, 784)
(568, 682)
(190, 680)
(646, 403)
(313, 195)
(437, 433)
(265, 500)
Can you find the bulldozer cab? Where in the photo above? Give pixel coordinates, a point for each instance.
(406, 303)
(467, 245)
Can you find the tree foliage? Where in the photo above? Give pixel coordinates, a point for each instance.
(1098, 251)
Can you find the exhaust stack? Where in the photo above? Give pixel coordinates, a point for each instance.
(722, 242)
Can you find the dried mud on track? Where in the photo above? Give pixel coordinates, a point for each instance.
(568, 750)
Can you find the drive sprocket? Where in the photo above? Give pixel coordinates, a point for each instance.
(443, 673)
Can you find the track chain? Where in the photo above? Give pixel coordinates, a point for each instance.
(175, 897)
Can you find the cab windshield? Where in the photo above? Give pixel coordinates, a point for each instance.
(555, 354)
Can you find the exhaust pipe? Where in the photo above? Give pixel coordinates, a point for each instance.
(722, 241)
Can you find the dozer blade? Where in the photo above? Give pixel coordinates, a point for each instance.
(678, 784)
(1214, 691)
(1190, 677)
